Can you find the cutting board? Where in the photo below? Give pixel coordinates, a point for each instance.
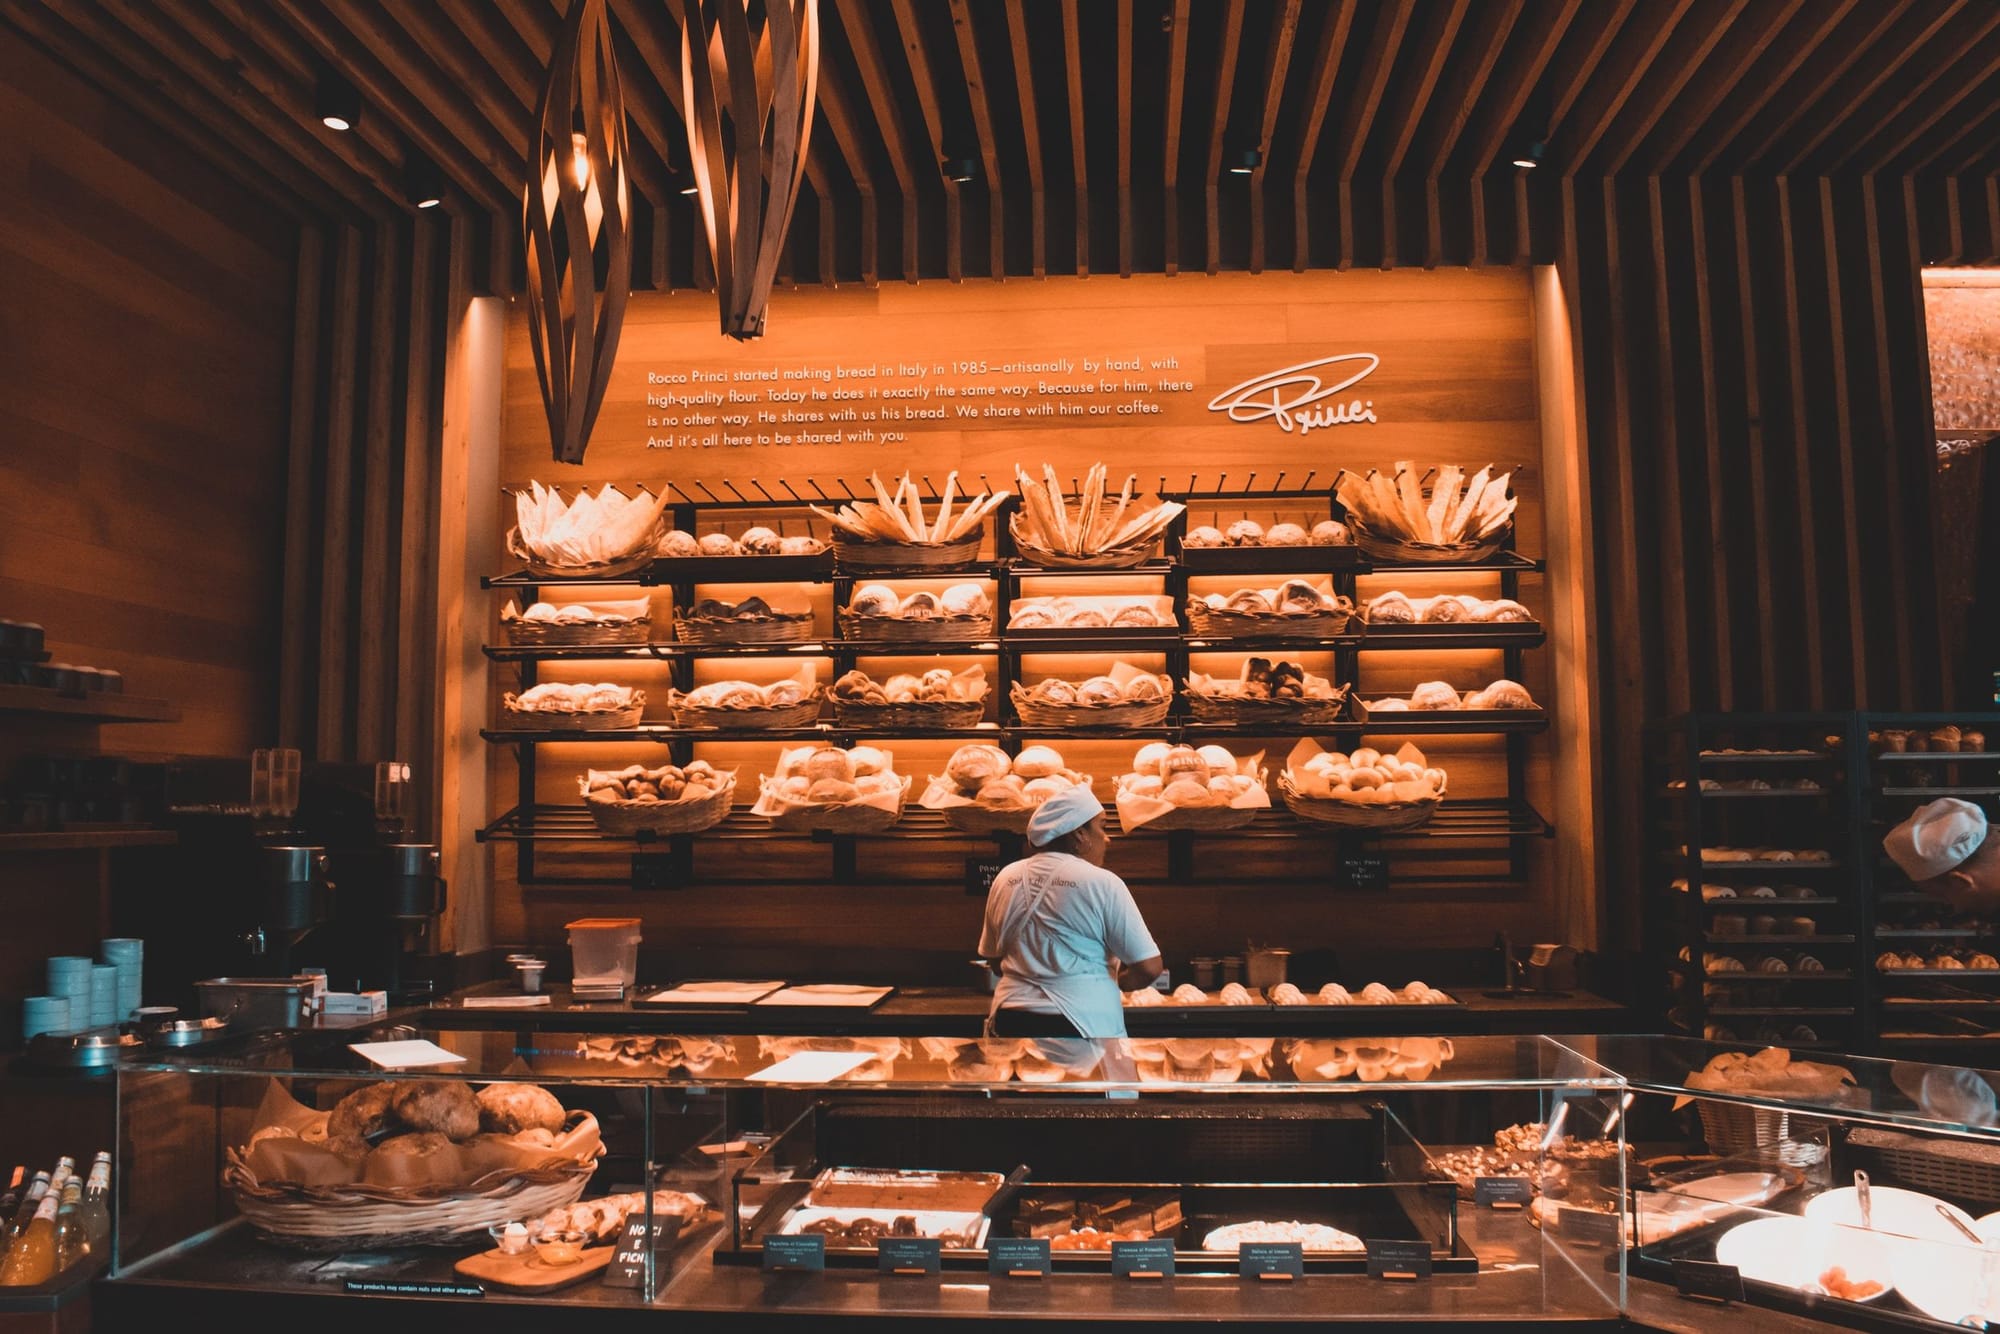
(526, 1273)
(712, 993)
(829, 994)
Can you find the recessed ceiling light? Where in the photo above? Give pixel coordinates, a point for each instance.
(337, 103)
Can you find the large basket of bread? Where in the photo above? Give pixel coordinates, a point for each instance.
(1295, 609)
(594, 536)
(1093, 531)
(559, 706)
(1180, 787)
(673, 799)
(960, 613)
(1091, 616)
(577, 624)
(939, 697)
(1280, 693)
(420, 1162)
(1123, 697)
(792, 702)
(902, 531)
(1361, 790)
(824, 789)
(751, 621)
(984, 790)
(1397, 517)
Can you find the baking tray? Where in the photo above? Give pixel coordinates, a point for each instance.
(1444, 720)
(1273, 560)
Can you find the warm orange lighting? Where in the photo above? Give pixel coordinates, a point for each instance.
(581, 161)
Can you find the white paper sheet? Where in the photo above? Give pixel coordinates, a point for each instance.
(413, 1054)
(813, 1067)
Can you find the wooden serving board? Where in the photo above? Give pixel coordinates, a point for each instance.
(526, 1273)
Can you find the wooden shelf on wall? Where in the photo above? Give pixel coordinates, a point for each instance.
(95, 707)
(72, 840)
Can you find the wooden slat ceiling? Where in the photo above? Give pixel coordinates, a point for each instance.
(1100, 126)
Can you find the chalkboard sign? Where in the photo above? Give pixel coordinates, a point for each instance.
(807, 1251)
(1701, 1281)
(1018, 1257)
(1398, 1259)
(908, 1255)
(1359, 870)
(1502, 1192)
(654, 871)
(1271, 1260)
(1588, 1227)
(628, 1262)
(979, 874)
(1153, 1258)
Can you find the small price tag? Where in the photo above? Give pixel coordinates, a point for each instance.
(393, 1288)
(1271, 1261)
(979, 873)
(1018, 1257)
(909, 1255)
(1153, 1258)
(628, 1262)
(1703, 1281)
(1406, 1260)
(1356, 870)
(807, 1252)
(1588, 1227)
(1502, 1192)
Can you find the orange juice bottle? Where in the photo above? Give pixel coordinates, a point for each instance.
(32, 1257)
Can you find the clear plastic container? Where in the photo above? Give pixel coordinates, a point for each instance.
(604, 948)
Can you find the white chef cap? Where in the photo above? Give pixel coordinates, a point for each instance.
(1064, 812)
(1937, 838)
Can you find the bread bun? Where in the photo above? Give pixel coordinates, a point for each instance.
(972, 767)
(1039, 790)
(922, 605)
(966, 600)
(781, 693)
(1188, 792)
(902, 688)
(759, 542)
(869, 785)
(718, 544)
(832, 791)
(508, 1109)
(875, 600)
(1434, 695)
(1203, 536)
(866, 760)
(1392, 608)
(1181, 760)
(362, 1113)
(1245, 533)
(1099, 690)
(678, 543)
(1004, 793)
(1331, 533)
(1053, 690)
(440, 1105)
(1151, 757)
(798, 546)
(1441, 610)
(1085, 617)
(1037, 762)
(1032, 616)
(829, 762)
(1144, 785)
(1218, 760)
(1285, 535)
(1144, 688)
(1136, 614)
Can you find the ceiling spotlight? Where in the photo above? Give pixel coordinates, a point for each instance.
(959, 155)
(1243, 161)
(682, 182)
(336, 103)
(423, 183)
(960, 169)
(1530, 155)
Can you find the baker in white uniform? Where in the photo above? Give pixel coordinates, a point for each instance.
(1947, 848)
(1062, 932)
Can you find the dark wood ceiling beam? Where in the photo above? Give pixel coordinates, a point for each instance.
(1517, 86)
(1407, 113)
(927, 102)
(841, 122)
(1613, 83)
(1982, 133)
(1574, 72)
(300, 63)
(1715, 80)
(502, 47)
(989, 148)
(1376, 63)
(1326, 65)
(1031, 132)
(1730, 122)
(37, 23)
(1461, 93)
(1125, 113)
(1946, 89)
(1079, 157)
(648, 111)
(1277, 66)
(1688, 49)
(425, 28)
(1170, 155)
(882, 102)
(536, 24)
(1225, 83)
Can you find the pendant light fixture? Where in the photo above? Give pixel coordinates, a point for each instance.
(749, 78)
(577, 221)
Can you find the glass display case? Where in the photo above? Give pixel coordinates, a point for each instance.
(1200, 1179)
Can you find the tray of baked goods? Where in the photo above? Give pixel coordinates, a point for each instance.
(1438, 706)
(1394, 619)
(1246, 546)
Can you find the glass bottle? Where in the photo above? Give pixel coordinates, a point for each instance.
(32, 1257)
(71, 1243)
(10, 1200)
(97, 1205)
(18, 1223)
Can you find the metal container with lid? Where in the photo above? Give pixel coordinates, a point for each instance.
(95, 1049)
(257, 1002)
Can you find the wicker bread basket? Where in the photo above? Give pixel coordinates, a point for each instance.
(780, 628)
(894, 556)
(1736, 1131)
(915, 630)
(1426, 553)
(355, 1217)
(1201, 819)
(955, 713)
(765, 718)
(852, 818)
(1270, 712)
(573, 720)
(582, 634)
(1124, 714)
(985, 821)
(626, 818)
(1208, 622)
(1354, 815)
(1118, 558)
(634, 560)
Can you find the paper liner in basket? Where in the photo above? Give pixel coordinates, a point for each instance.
(1317, 689)
(581, 613)
(941, 794)
(1136, 811)
(589, 530)
(773, 801)
(1317, 781)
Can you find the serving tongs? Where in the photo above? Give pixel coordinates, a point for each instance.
(1863, 1200)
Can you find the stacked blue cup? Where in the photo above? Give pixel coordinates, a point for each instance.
(69, 977)
(44, 1014)
(103, 994)
(127, 954)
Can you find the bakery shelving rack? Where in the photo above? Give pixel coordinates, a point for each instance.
(1496, 827)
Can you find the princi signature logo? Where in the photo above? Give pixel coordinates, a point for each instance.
(1289, 396)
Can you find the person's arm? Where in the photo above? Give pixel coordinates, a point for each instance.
(1127, 939)
(1133, 976)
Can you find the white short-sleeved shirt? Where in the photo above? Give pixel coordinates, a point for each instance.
(1054, 922)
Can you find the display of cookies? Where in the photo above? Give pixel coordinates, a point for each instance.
(1146, 612)
(758, 541)
(1394, 608)
(1442, 695)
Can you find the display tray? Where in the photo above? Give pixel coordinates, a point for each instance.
(1448, 720)
(1450, 634)
(706, 993)
(1274, 560)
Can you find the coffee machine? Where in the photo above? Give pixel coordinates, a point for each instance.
(385, 919)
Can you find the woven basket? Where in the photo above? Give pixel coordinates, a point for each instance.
(547, 634)
(625, 818)
(984, 821)
(327, 1219)
(1426, 553)
(1132, 713)
(771, 718)
(851, 819)
(1120, 558)
(1756, 1132)
(1352, 815)
(958, 713)
(554, 720)
(637, 559)
(1267, 712)
(892, 556)
(1206, 622)
(932, 630)
(796, 628)
(1201, 819)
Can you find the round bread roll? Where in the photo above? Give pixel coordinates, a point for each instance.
(678, 543)
(1006, 793)
(1151, 757)
(832, 791)
(874, 600)
(759, 542)
(1245, 533)
(797, 786)
(1037, 762)
(922, 605)
(1188, 792)
(1053, 690)
(1135, 614)
(869, 785)
(1218, 760)
(1144, 785)
(1183, 760)
(426, 1158)
(972, 767)
(1144, 688)
(1032, 616)
(1285, 535)
(1099, 690)
(1203, 536)
(440, 1105)
(829, 762)
(362, 1113)
(508, 1109)
(718, 544)
(965, 600)
(1331, 533)
(902, 688)
(798, 546)
(868, 760)
(1434, 695)
(1086, 617)
(1039, 790)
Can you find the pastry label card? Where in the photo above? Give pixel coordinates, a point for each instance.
(1153, 1258)
(1271, 1261)
(909, 1255)
(1391, 1258)
(414, 1054)
(628, 1263)
(1361, 871)
(1502, 1192)
(1588, 1227)
(1702, 1281)
(1018, 1257)
(807, 1251)
(979, 874)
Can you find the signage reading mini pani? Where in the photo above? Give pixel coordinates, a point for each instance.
(1293, 398)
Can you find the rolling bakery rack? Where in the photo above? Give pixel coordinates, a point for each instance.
(1490, 830)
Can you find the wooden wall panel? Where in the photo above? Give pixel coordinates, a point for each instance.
(143, 407)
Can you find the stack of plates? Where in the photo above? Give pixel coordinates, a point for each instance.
(69, 977)
(103, 994)
(44, 1014)
(128, 954)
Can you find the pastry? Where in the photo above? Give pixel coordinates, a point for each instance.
(1244, 533)
(874, 600)
(1084, 617)
(1135, 614)
(1331, 533)
(1444, 609)
(1187, 993)
(759, 542)
(780, 694)
(443, 1106)
(1099, 690)
(1395, 506)
(1054, 690)
(1006, 793)
(1984, 963)
(1188, 792)
(508, 1109)
(718, 544)
(1285, 535)
(1335, 994)
(1502, 609)
(1038, 762)
(1235, 993)
(1250, 602)
(966, 600)
(921, 605)
(1152, 758)
(1093, 523)
(1032, 616)
(1287, 994)
(1434, 695)
(1141, 688)
(972, 767)
(828, 762)
(361, 1115)
(679, 544)
(1392, 608)
(1203, 536)
(1502, 694)
(799, 546)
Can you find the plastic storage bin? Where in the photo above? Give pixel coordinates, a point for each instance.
(604, 948)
